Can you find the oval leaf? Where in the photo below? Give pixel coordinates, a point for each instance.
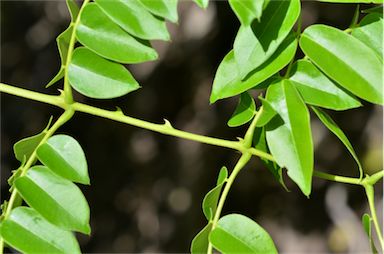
(64, 156)
(255, 44)
(335, 129)
(58, 200)
(370, 32)
(96, 77)
(316, 89)
(267, 113)
(289, 136)
(227, 82)
(163, 8)
(247, 11)
(346, 60)
(27, 231)
(97, 32)
(26, 146)
(134, 18)
(236, 233)
(244, 111)
(200, 242)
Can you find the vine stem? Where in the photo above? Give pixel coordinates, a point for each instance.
(66, 116)
(370, 192)
(67, 88)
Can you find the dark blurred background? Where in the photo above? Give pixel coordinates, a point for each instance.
(147, 188)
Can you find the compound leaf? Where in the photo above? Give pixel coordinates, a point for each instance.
(134, 18)
(100, 34)
(163, 8)
(236, 233)
(256, 43)
(227, 82)
(28, 232)
(244, 111)
(346, 60)
(289, 136)
(96, 77)
(58, 200)
(335, 129)
(316, 89)
(64, 156)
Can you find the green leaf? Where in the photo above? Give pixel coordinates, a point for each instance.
(96, 77)
(367, 224)
(260, 143)
(377, 9)
(244, 111)
(316, 89)
(247, 10)
(227, 82)
(236, 233)
(58, 200)
(163, 8)
(202, 3)
(210, 200)
(28, 232)
(346, 60)
(267, 113)
(62, 44)
(26, 146)
(134, 18)
(73, 9)
(97, 32)
(370, 32)
(289, 136)
(255, 44)
(200, 242)
(335, 129)
(64, 156)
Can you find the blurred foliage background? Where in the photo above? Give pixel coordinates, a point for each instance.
(147, 188)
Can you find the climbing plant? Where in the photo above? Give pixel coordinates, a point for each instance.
(339, 69)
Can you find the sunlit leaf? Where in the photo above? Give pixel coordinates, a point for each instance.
(247, 10)
(267, 113)
(289, 135)
(58, 200)
(236, 233)
(200, 242)
(316, 89)
(256, 43)
(346, 60)
(64, 156)
(163, 8)
(370, 32)
(244, 112)
(28, 232)
(96, 77)
(227, 82)
(134, 18)
(97, 32)
(335, 129)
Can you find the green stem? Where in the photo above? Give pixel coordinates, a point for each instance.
(67, 88)
(118, 116)
(370, 192)
(239, 165)
(336, 178)
(60, 121)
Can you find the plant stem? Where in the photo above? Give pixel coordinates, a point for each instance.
(118, 116)
(239, 165)
(339, 179)
(370, 192)
(67, 88)
(66, 116)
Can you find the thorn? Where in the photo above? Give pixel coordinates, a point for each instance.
(167, 124)
(119, 111)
